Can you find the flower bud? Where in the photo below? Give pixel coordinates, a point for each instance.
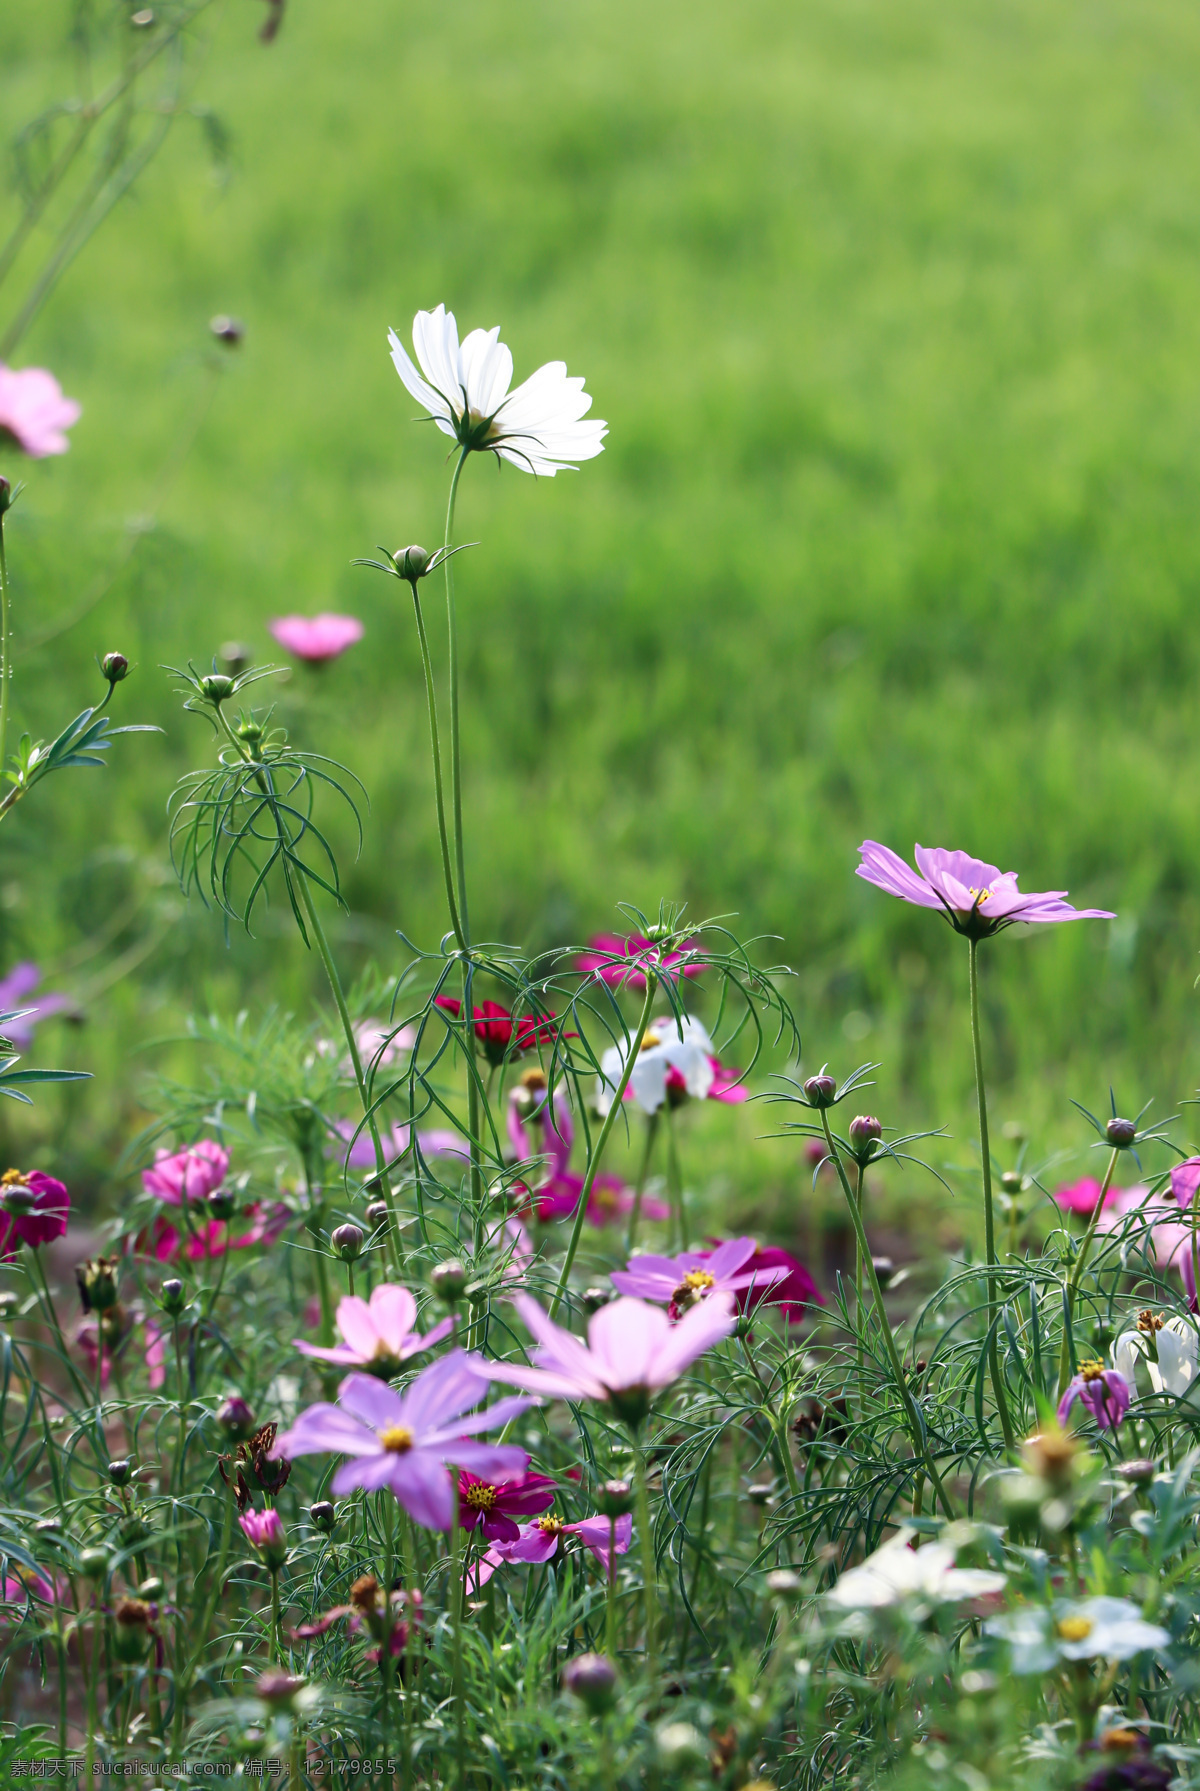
(221, 1203)
(1120, 1133)
(229, 330)
(323, 1516)
(216, 687)
(760, 1493)
(119, 1471)
(592, 1679)
(680, 1746)
(93, 1563)
(235, 1418)
(865, 1133)
(6, 497)
(377, 1214)
(885, 1270)
(17, 1198)
(412, 563)
(1137, 1473)
(783, 1582)
(595, 1297)
(249, 730)
(151, 1590)
(448, 1280)
(820, 1091)
(278, 1689)
(1011, 1181)
(614, 1498)
(131, 1629)
(115, 667)
(171, 1295)
(236, 656)
(50, 1527)
(348, 1241)
(97, 1279)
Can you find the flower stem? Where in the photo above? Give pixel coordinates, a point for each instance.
(916, 1430)
(610, 1613)
(635, 1213)
(456, 1606)
(5, 654)
(649, 1577)
(434, 740)
(455, 739)
(989, 1222)
(675, 1175)
(585, 1192)
(273, 1654)
(1076, 1275)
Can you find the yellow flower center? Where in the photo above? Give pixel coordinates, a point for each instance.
(397, 1439)
(699, 1280)
(550, 1525)
(14, 1178)
(1092, 1371)
(1074, 1629)
(651, 1040)
(979, 895)
(534, 1080)
(480, 1497)
(605, 1199)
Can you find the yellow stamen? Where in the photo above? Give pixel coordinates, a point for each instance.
(14, 1178)
(550, 1525)
(1074, 1629)
(397, 1439)
(1092, 1371)
(480, 1498)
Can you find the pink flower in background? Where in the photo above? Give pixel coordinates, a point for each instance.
(976, 898)
(437, 1142)
(378, 1334)
(156, 1355)
(1103, 1391)
(620, 961)
(15, 991)
(791, 1295)
(317, 639)
(727, 1084)
(680, 1282)
(34, 412)
(267, 1225)
(492, 1507)
(264, 1529)
(87, 1339)
(1185, 1179)
(189, 1174)
(33, 1210)
(535, 1125)
(538, 1541)
(1081, 1196)
(1149, 1220)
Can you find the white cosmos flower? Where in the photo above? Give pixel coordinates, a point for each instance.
(541, 427)
(1175, 1371)
(669, 1044)
(895, 1573)
(1090, 1629)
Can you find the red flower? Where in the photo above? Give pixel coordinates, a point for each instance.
(500, 1032)
(35, 1209)
(617, 960)
(493, 1508)
(790, 1296)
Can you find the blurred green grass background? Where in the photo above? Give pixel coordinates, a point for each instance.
(893, 314)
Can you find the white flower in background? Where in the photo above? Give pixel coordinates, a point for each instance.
(1177, 1347)
(896, 1573)
(681, 1046)
(539, 427)
(1090, 1629)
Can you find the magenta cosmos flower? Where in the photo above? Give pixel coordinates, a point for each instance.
(378, 1334)
(492, 1506)
(33, 1210)
(190, 1174)
(317, 639)
(680, 1282)
(976, 898)
(264, 1531)
(34, 412)
(1103, 1391)
(633, 1351)
(790, 1296)
(403, 1441)
(1083, 1196)
(539, 1541)
(620, 961)
(558, 1192)
(15, 991)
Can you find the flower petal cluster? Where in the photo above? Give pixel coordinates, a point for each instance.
(1085, 1629)
(540, 1541)
(403, 1441)
(897, 1572)
(317, 639)
(542, 426)
(1083, 1197)
(189, 1174)
(1104, 1392)
(499, 1031)
(790, 1296)
(379, 1334)
(976, 898)
(492, 1506)
(680, 1282)
(34, 412)
(38, 1213)
(1170, 1354)
(16, 990)
(622, 961)
(671, 1048)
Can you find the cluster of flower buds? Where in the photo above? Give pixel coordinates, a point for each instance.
(251, 1462)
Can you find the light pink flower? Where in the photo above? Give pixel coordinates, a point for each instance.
(189, 1174)
(317, 638)
(34, 412)
(680, 1282)
(540, 1540)
(975, 897)
(378, 1334)
(619, 961)
(16, 990)
(1151, 1220)
(1185, 1179)
(267, 1225)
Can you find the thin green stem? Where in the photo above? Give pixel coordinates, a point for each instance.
(456, 1606)
(649, 1577)
(989, 1220)
(5, 653)
(610, 1611)
(675, 1176)
(435, 743)
(916, 1429)
(93, 1686)
(859, 1302)
(1076, 1275)
(635, 1212)
(598, 1153)
(455, 739)
(273, 1653)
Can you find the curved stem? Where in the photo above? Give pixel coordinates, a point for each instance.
(435, 743)
(649, 1577)
(989, 1220)
(635, 1212)
(585, 1192)
(1076, 1275)
(456, 1607)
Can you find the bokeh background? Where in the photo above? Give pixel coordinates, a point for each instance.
(893, 313)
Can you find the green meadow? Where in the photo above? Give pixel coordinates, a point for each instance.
(894, 314)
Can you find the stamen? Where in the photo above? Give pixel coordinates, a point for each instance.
(397, 1439)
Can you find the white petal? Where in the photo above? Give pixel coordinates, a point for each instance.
(486, 370)
(421, 390)
(435, 338)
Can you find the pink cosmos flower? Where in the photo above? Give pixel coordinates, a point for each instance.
(1185, 1179)
(680, 1282)
(791, 1295)
(538, 1541)
(491, 1507)
(501, 1033)
(378, 1334)
(21, 1584)
(1149, 1220)
(16, 990)
(404, 1440)
(262, 1528)
(557, 1193)
(34, 1210)
(727, 1084)
(189, 1174)
(535, 1124)
(34, 412)
(621, 962)
(87, 1338)
(1081, 1196)
(317, 639)
(976, 898)
(633, 1351)
(1103, 1391)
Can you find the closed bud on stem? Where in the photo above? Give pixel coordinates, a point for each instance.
(115, 667)
(592, 1679)
(97, 1279)
(885, 1269)
(820, 1091)
(448, 1281)
(120, 1471)
(348, 1241)
(760, 1492)
(783, 1582)
(1120, 1133)
(595, 1297)
(93, 1563)
(377, 1214)
(278, 1689)
(6, 497)
(131, 1629)
(250, 731)
(323, 1516)
(235, 1418)
(171, 1295)
(1011, 1181)
(865, 1133)
(1137, 1473)
(216, 687)
(412, 563)
(681, 1746)
(221, 1203)
(614, 1498)
(151, 1589)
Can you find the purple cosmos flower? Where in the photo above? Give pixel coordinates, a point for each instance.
(34, 412)
(1185, 1179)
(317, 639)
(33, 1210)
(537, 1542)
(190, 1174)
(622, 962)
(404, 1440)
(264, 1529)
(1104, 1392)
(680, 1282)
(790, 1296)
(437, 1142)
(976, 898)
(15, 991)
(378, 1334)
(633, 1351)
(493, 1507)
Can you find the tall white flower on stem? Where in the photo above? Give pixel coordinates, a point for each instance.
(541, 427)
